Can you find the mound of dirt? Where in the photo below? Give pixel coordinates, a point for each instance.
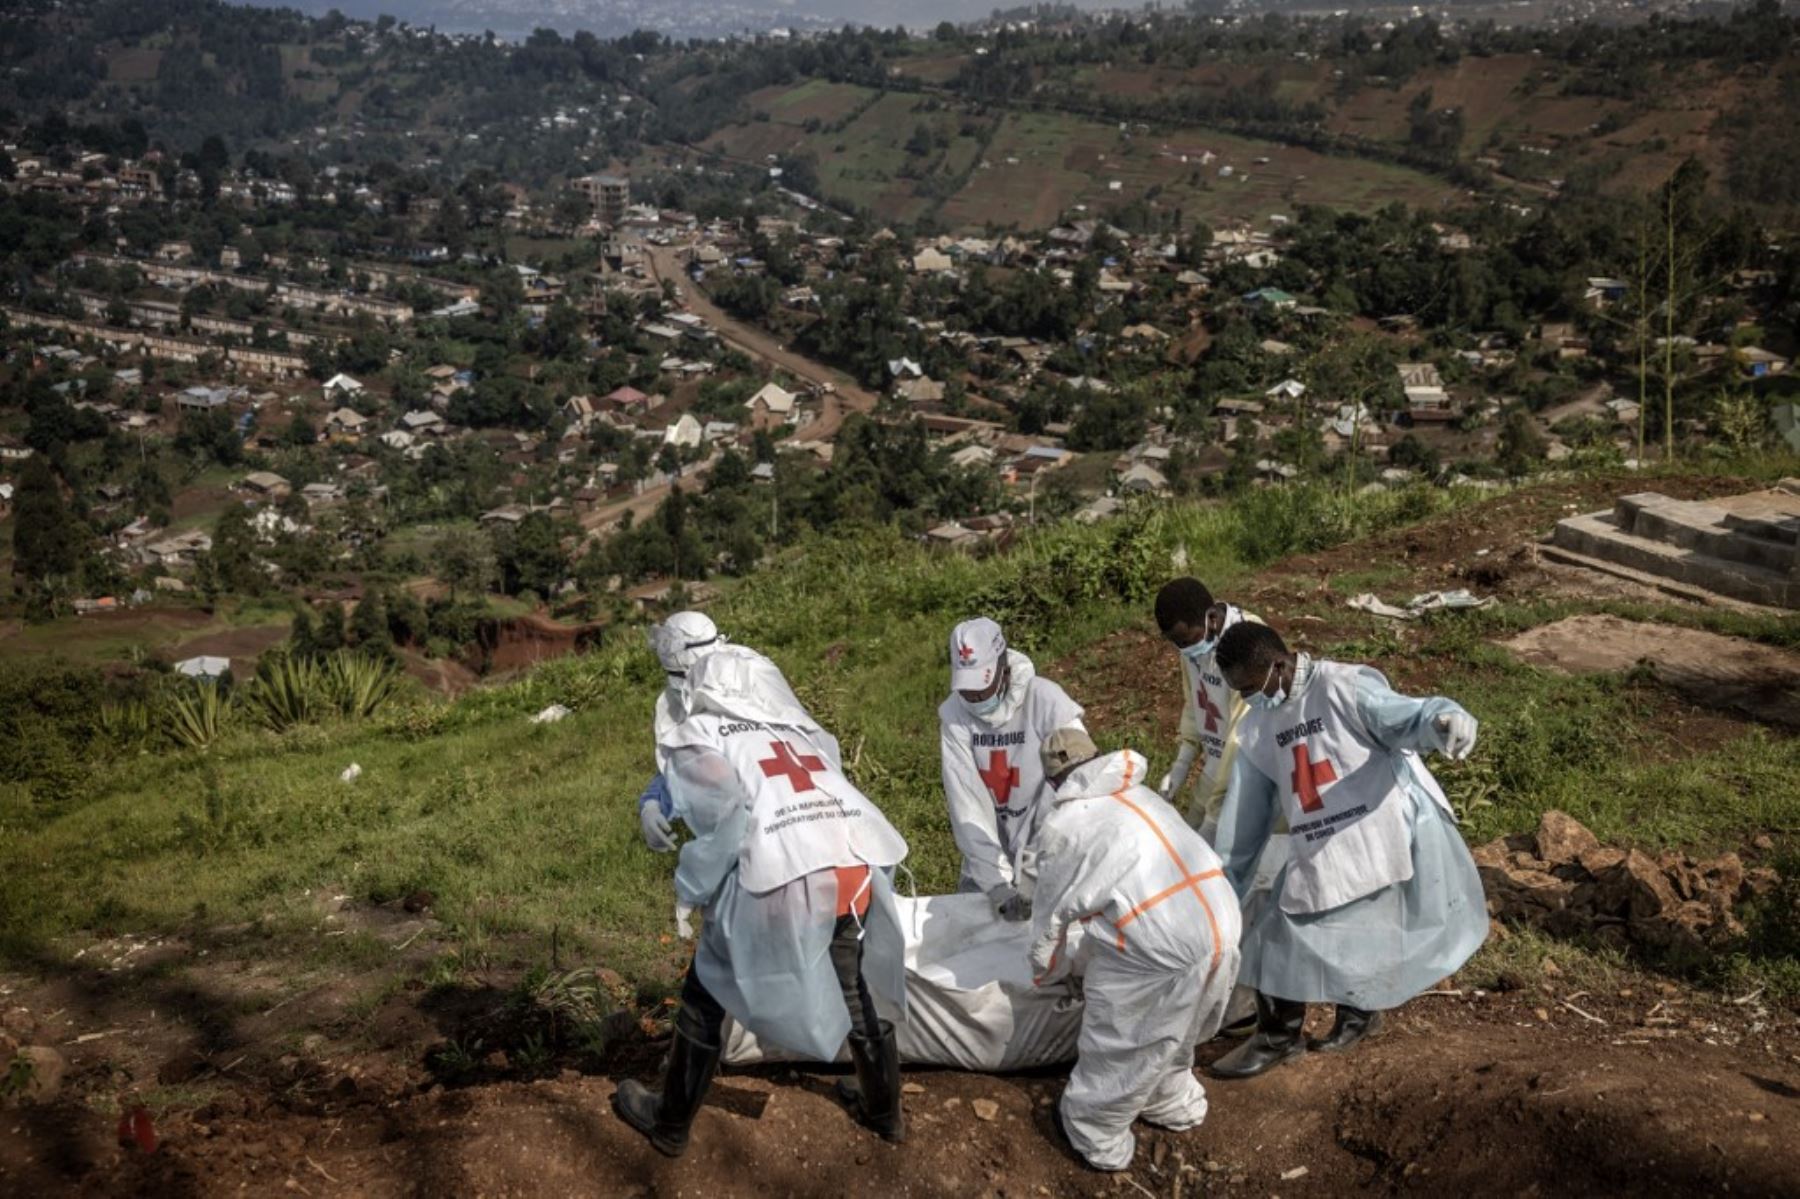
(1709, 670)
(1563, 880)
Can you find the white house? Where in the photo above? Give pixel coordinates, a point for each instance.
(342, 385)
(1144, 478)
(932, 261)
(772, 403)
(1287, 389)
(684, 434)
(970, 457)
(347, 421)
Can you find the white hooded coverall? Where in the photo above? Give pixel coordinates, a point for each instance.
(777, 829)
(1132, 899)
(994, 775)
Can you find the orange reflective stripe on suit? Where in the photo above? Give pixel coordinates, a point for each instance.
(1189, 880)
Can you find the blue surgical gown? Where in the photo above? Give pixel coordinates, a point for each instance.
(766, 956)
(1378, 951)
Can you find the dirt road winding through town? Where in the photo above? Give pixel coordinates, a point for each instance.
(845, 397)
(665, 265)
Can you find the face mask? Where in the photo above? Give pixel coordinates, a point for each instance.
(988, 706)
(1206, 645)
(1264, 702)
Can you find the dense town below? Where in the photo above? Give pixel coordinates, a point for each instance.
(327, 381)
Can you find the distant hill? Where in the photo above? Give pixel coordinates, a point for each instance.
(1152, 119)
(515, 19)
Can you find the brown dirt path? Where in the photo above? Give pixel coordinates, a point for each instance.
(759, 343)
(1497, 1094)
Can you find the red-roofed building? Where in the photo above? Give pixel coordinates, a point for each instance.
(627, 399)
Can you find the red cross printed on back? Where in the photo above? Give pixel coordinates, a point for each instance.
(1001, 776)
(966, 653)
(1308, 774)
(796, 767)
(1208, 709)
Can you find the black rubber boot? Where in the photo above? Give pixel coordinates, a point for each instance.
(1240, 1029)
(1352, 1025)
(666, 1116)
(1277, 1039)
(874, 1098)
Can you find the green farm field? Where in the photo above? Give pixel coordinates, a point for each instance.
(1039, 166)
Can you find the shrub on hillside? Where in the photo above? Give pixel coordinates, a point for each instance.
(1274, 522)
(54, 719)
(1120, 561)
(198, 714)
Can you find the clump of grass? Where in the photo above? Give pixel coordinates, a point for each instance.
(286, 691)
(290, 691)
(358, 685)
(1519, 960)
(197, 716)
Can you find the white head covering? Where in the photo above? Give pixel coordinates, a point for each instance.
(741, 683)
(683, 639)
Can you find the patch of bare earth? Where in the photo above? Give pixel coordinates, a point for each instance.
(1552, 1091)
(1713, 671)
(1488, 547)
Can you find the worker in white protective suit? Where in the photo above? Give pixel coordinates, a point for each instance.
(790, 866)
(1192, 621)
(991, 731)
(680, 642)
(1380, 897)
(1133, 901)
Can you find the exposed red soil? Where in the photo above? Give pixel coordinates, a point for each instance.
(1542, 1091)
(520, 642)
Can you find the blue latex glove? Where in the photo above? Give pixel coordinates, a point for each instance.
(658, 789)
(654, 809)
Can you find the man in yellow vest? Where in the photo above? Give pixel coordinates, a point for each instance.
(1193, 621)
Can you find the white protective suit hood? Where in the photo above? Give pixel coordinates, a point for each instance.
(1023, 671)
(741, 684)
(683, 639)
(1104, 775)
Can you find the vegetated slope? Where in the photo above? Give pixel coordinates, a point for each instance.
(1509, 117)
(290, 1016)
(901, 155)
(520, 828)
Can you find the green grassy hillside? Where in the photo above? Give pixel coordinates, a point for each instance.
(521, 829)
(1036, 166)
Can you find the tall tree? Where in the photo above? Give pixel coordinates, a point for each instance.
(369, 622)
(1686, 233)
(48, 540)
(465, 561)
(533, 559)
